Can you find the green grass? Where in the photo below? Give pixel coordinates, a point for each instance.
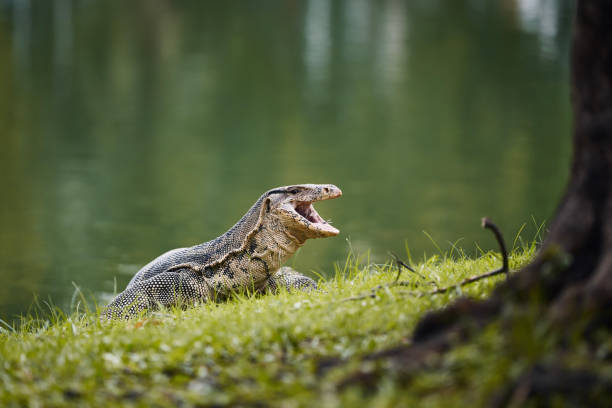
(262, 350)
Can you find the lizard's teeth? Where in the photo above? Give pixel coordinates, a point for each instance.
(307, 211)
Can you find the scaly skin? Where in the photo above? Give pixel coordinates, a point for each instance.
(247, 257)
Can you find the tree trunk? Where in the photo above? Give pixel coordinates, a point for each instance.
(571, 277)
(572, 273)
(583, 224)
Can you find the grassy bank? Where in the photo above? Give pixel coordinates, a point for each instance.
(255, 350)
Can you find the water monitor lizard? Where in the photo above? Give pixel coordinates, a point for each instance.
(248, 256)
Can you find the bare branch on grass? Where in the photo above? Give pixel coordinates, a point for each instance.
(486, 223)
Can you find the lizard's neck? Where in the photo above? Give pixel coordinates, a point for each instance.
(265, 251)
(273, 244)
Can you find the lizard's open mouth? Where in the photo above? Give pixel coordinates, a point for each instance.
(307, 211)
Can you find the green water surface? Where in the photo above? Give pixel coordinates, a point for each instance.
(130, 128)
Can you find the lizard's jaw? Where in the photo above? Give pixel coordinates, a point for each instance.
(308, 218)
(298, 214)
(313, 220)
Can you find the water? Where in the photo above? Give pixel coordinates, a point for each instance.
(128, 129)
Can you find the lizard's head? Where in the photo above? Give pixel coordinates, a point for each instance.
(293, 207)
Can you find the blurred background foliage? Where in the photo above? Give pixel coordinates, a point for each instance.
(130, 128)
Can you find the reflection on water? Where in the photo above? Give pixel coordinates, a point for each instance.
(317, 33)
(131, 128)
(541, 17)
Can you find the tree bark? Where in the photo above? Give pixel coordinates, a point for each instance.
(572, 273)
(583, 225)
(571, 277)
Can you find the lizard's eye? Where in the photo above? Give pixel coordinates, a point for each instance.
(294, 191)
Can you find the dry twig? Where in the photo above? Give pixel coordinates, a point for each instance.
(486, 223)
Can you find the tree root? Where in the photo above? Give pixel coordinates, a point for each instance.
(543, 383)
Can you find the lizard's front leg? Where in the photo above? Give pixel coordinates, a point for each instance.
(290, 279)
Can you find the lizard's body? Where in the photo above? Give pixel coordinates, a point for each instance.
(247, 257)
